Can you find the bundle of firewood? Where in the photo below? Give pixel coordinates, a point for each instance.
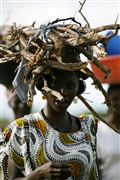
(54, 46)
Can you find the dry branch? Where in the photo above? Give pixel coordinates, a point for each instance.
(56, 45)
(54, 93)
(98, 85)
(65, 66)
(95, 113)
(80, 11)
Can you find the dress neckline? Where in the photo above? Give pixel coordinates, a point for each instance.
(61, 131)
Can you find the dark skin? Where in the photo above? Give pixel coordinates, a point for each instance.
(113, 118)
(15, 103)
(56, 112)
(114, 115)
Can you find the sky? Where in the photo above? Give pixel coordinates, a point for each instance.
(25, 12)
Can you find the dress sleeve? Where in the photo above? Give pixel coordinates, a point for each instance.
(4, 139)
(20, 139)
(90, 134)
(92, 124)
(15, 146)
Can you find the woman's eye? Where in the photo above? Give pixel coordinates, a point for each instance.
(71, 86)
(58, 85)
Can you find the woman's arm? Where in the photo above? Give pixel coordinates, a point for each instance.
(48, 170)
(13, 171)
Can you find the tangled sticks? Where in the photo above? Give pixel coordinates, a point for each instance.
(56, 45)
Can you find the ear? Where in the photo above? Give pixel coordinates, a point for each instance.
(83, 75)
(81, 87)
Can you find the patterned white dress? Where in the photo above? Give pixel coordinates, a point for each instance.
(31, 142)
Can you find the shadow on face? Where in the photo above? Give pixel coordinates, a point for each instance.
(66, 83)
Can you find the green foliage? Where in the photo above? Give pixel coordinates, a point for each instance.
(3, 123)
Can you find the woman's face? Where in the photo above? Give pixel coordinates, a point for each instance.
(114, 97)
(65, 83)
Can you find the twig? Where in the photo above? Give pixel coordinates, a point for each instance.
(97, 63)
(65, 66)
(65, 19)
(54, 93)
(80, 11)
(98, 85)
(106, 27)
(95, 113)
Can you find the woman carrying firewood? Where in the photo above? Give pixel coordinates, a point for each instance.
(52, 144)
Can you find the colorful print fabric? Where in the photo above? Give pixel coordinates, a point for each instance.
(31, 142)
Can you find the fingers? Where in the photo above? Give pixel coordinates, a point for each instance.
(59, 165)
(65, 173)
(60, 170)
(54, 170)
(55, 175)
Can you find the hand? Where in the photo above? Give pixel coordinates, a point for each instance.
(52, 170)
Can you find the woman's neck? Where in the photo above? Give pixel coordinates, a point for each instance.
(59, 119)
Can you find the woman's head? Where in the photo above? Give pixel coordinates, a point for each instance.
(67, 83)
(114, 96)
(55, 46)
